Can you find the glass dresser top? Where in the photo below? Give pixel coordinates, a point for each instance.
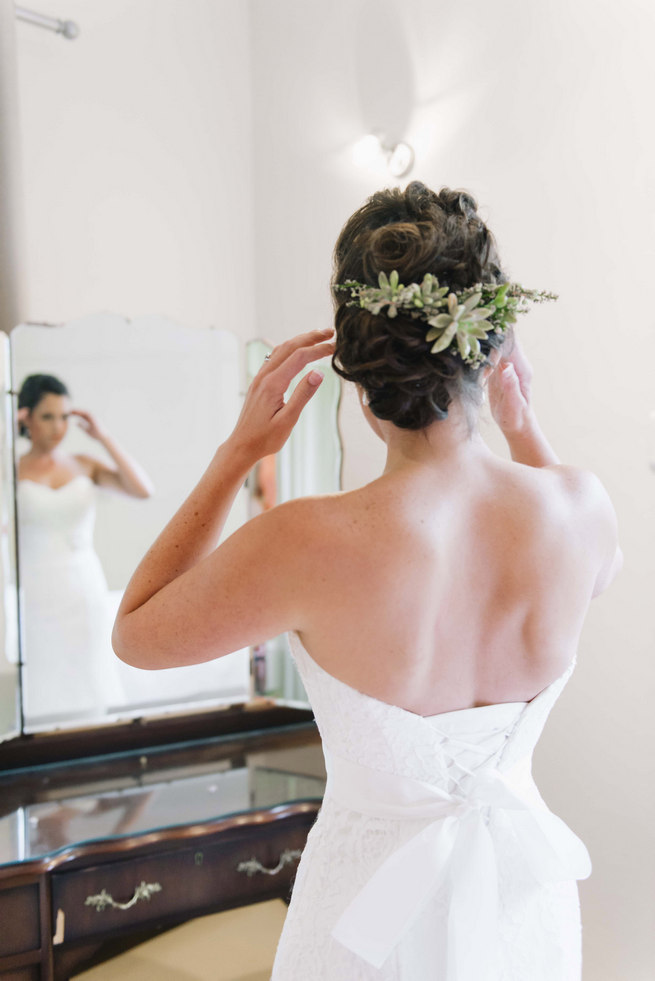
(164, 793)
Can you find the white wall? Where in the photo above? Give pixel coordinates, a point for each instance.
(542, 111)
(137, 161)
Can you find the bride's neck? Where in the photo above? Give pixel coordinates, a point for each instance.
(38, 453)
(451, 441)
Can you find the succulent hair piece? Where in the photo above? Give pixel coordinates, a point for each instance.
(459, 319)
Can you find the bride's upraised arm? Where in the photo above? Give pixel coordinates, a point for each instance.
(591, 508)
(189, 601)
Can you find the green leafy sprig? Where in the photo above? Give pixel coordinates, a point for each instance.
(459, 319)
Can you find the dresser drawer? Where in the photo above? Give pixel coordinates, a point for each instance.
(19, 920)
(32, 973)
(175, 883)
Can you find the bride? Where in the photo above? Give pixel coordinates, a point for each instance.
(434, 614)
(64, 591)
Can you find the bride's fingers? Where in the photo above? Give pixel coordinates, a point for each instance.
(302, 393)
(281, 352)
(297, 359)
(509, 380)
(506, 400)
(503, 383)
(495, 385)
(522, 366)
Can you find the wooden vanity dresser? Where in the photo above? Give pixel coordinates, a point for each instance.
(100, 853)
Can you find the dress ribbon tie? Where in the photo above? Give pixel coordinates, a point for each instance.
(456, 850)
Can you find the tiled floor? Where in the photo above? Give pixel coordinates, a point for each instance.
(238, 945)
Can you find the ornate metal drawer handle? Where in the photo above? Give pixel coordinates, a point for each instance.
(103, 899)
(253, 866)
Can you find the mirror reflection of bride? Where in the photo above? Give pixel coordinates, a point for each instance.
(69, 670)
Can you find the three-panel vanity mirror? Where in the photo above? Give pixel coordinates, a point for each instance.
(167, 396)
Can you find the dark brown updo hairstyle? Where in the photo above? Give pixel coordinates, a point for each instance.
(33, 389)
(415, 231)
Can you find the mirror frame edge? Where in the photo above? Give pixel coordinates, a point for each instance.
(9, 553)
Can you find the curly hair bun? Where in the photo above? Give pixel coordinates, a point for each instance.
(403, 246)
(415, 232)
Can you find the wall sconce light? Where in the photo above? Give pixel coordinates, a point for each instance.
(374, 150)
(400, 158)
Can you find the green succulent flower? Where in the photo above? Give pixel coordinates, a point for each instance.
(388, 295)
(429, 295)
(459, 319)
(466, 324)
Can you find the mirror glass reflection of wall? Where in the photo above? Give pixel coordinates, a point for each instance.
(166, 396)
(309, 463)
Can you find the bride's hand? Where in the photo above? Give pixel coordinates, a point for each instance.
(522, 367)
(509, 391)
(89, 424)
(266, 420)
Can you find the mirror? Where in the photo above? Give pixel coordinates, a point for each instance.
(160, 397)
(165, 396)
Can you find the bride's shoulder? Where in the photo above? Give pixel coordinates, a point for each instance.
(584, 509)
(581, 488)
(313, 518)
(83, 464)
(314, 508)
(557, 496)
(558, 482)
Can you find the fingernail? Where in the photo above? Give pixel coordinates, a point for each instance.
(315, 377)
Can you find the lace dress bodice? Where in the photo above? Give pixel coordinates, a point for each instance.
(64, 594)
(434, 855)
(55, 521)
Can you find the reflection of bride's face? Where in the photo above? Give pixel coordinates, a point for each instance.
(48, 421)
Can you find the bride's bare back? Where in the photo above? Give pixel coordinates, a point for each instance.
(440, 589)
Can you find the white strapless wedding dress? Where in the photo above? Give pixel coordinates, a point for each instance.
(434, 857)
(66, 621)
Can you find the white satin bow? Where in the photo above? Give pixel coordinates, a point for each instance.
(457, 848)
